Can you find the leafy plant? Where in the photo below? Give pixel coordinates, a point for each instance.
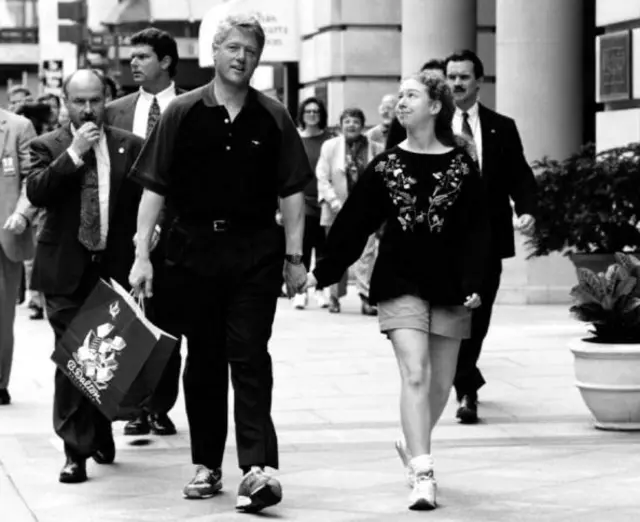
(588, 203)
(610, 301)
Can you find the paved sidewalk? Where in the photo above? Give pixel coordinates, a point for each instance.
(536, 456)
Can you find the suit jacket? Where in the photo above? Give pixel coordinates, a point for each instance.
(54, 183)
(508, 177)
(332, 178)
(120, 112)
(15, 134)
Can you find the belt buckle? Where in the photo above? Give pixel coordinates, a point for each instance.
(220, 225)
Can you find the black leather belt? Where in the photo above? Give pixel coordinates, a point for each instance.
(218, 226)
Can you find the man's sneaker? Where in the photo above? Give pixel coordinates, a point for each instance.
(257, 491)
(300, 301)
(205, 484)
(405, 457)
(423, 495)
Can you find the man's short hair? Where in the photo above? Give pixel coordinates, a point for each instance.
(434, 64)
(352, 112)
(19, 89)
(466, 55)
(246, 22)
(162, 43)
(43, 98)
(98, 74)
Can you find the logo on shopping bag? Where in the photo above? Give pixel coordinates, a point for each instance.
(114, 310)
(95, 362)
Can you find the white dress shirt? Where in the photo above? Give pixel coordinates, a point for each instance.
(474, 123)
(104, 180)
(145, 99)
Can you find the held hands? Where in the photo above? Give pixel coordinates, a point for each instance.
(141, 277)
(85, 138)
(16, 224)
(295, 278)
(473, 301)
(526, 224)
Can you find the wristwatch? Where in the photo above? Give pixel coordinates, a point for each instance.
(294, 259)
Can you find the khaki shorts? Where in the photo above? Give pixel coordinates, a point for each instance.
(409, 311)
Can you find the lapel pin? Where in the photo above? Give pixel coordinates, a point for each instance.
(121, 150)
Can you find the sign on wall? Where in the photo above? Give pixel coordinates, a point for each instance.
(52, 74)
(279, 19)
(614, 66)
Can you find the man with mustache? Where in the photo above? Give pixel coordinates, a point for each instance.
(154, 62)
(78, 175)
(507, 177)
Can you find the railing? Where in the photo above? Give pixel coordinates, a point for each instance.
(24, 35)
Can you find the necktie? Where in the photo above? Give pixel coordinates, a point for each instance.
(466, 128)
(154, 115)
(89, 231)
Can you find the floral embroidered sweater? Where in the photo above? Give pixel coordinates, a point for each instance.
(435, 241)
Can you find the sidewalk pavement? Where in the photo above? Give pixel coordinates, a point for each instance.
(536, 456)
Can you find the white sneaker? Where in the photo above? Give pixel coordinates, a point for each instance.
(423, 495)
(300, 301)
(405, 457)
(321, 299)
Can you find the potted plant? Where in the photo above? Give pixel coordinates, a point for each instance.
(607, 364)
(588, 206)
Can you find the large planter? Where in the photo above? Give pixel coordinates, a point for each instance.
(608, 377)
(596, 262)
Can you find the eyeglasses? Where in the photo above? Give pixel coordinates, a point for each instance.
(311, 111)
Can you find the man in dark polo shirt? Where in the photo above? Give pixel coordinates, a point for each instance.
(221, 158)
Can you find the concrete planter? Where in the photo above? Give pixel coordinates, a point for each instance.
(608, 377)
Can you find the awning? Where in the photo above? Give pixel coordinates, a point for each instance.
(279, 18)
(150, 11)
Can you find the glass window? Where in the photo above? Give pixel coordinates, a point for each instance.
(18, 14)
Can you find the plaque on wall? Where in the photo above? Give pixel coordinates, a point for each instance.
(614, 66)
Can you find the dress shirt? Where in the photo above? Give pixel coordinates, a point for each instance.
(103, 164)
(145, 99)
(474, 123)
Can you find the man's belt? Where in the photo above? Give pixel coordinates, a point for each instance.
(218, 226)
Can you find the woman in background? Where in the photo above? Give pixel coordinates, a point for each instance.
(312, 124)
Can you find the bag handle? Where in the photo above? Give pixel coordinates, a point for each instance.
(139, 300)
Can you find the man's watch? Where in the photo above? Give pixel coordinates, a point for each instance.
(294, 259)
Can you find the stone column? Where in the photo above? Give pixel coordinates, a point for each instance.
(539, 75)
(434, 29)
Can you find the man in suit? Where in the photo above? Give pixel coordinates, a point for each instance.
(508, 177)
(154, 60)
(16, 235)
(78, 174)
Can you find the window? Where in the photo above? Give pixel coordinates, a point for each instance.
(18, 14)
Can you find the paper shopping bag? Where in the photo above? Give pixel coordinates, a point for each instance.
(106, 347)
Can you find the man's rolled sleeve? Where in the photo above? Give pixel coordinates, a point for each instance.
(152, 169)
(294, 170)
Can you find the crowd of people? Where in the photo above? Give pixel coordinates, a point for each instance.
(212, 197)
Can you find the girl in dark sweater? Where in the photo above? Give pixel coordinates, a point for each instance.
(431, 262)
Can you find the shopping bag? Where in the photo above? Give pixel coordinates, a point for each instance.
(106, 347)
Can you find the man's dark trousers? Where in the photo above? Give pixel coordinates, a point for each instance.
(82, 427)
(469, 379)
(220, 290)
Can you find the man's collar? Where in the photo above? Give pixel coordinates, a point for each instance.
(210, 100)
(473, 110)
(168, 92)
